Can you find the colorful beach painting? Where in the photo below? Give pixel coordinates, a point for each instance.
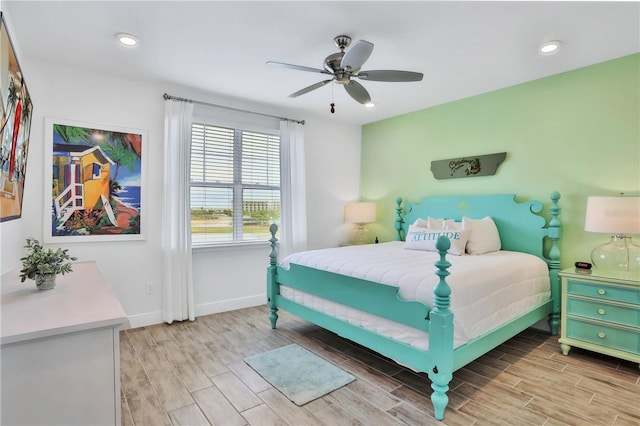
(16, 110)
(96, 181)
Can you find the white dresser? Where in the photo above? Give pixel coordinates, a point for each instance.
(60, 350)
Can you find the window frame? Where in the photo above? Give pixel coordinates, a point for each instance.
(237, 186)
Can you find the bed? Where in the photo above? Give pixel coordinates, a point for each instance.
(427, 309)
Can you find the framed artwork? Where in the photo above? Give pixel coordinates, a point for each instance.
(16, 109)
(96, 176)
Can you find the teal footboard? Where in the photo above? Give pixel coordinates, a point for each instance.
(370, 297)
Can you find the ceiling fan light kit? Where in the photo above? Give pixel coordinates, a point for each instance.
(344, 66)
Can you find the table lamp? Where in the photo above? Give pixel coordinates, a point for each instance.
(620, 217)
(360, 213)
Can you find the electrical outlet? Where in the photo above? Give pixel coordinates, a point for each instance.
(148, 287)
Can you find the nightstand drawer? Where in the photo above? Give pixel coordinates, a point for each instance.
(602, 291)
(603, 311)
(610, 337)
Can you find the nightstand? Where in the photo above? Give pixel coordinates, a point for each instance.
(601, 313)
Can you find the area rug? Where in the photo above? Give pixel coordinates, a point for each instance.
(298, 373)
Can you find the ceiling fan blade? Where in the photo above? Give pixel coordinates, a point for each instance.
(357, 55)
(310, 88)
(296, 67)
(389, 75)
(358, 92)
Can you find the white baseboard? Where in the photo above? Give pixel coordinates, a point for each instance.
(143, 320)
(230, 305)
(151, 318)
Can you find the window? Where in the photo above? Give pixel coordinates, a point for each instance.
(235, 184)
(96, 170)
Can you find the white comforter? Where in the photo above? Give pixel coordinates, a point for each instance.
(486, 291)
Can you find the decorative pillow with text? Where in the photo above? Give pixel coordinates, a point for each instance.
(420, 238)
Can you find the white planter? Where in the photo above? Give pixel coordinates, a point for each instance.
(46, 281)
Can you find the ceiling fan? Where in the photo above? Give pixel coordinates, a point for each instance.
(344, 66)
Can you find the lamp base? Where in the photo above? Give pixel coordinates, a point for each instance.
(360, 235)
(619, 254)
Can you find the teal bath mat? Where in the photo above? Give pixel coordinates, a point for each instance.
(298, 373)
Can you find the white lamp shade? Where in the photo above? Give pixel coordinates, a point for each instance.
(613, 215)
(360, 213)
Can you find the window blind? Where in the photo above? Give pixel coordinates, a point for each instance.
(260, 159)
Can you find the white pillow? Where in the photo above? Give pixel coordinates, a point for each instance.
(436, 223)
(484, 236)
(452, 224)
(422, 223)
(419, 238)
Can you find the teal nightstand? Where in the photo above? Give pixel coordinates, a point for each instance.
(601, 313)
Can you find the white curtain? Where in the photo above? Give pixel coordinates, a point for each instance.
(177, 282)
(293, 207)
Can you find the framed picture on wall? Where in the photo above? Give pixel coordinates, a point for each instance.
(16, 110)
(96, 176)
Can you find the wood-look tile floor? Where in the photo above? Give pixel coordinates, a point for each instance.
(193, 373)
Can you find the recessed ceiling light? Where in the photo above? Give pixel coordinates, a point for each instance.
(549, 47)
(370, 104)
(127, 39)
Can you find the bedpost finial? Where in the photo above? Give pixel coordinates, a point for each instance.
(555, 211)
(442, 291)
(443, 243)
(399, 220)
(555, 231)
(273, 253)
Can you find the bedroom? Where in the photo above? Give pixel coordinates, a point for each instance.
(558, 129)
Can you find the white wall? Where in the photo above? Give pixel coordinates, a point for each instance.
(223, 278)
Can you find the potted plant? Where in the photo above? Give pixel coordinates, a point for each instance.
(44, 265)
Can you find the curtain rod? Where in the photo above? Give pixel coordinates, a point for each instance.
(167, 97)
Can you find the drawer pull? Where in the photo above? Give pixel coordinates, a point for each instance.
(601, 291)
(601, 335)
(601, 311)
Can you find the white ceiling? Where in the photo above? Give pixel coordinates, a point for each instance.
(463, 48)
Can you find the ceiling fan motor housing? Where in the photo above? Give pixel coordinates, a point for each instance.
(332, 64)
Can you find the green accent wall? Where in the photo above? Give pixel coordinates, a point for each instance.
(577, 133)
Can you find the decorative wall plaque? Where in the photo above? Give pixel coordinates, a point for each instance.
(475, 165)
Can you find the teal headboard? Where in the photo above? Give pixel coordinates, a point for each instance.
(520, 225)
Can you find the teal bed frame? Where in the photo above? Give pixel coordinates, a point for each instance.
(521, 228)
